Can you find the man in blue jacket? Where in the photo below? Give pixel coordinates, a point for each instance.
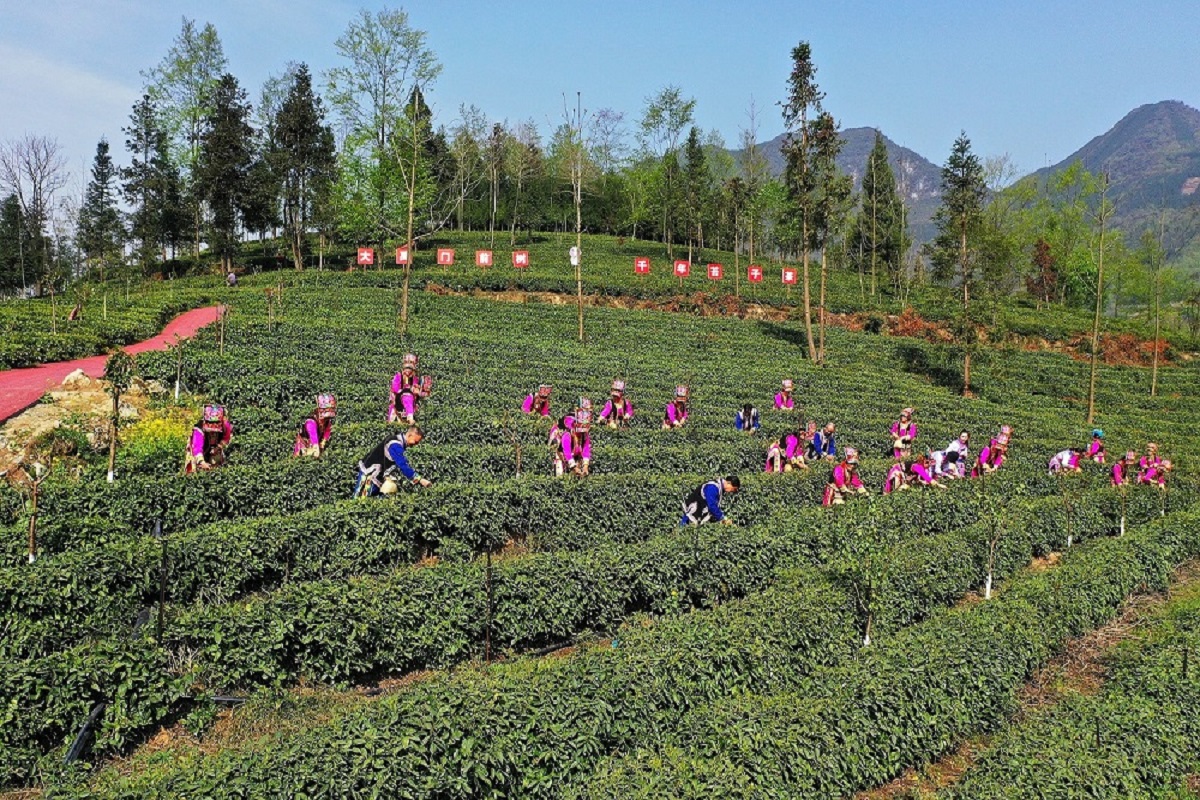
(703, 504)
(823, 444)
(378, 470)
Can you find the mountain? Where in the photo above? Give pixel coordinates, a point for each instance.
(1152, 157)
(918, 179)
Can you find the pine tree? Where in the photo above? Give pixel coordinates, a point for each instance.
(223, 168)
(304, 159)
(880, 235)
(954, 251)
(697, 187)
(141, 181)
(100, 234)
(15, 245)
(803, 99)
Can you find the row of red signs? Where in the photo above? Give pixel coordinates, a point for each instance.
(520, 260)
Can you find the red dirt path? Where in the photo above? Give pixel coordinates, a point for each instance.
(21, 388)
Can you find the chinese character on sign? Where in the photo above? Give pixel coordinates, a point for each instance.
(754, 273)
(683, 268)
(641, 265)
(401, 255)
(445, 256)
(483, 258)
(715, 272)
(366, 256)
(789, 275)
(520, 259)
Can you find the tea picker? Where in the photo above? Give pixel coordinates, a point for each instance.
(407, 389)
(378, 470)
(1065, 461)
(1095, 450)
(313, 434)
(843, 480)
(783, 398)
(618, 411)
(703, 504)
(209, 439)
(904, 433)
(676, 412)
(577, 443)
(538, 402)
(747, 419)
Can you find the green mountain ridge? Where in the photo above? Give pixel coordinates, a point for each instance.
(1152, 157)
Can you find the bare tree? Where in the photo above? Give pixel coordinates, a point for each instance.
(33, 169)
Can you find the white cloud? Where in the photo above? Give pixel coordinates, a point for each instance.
(46, 96)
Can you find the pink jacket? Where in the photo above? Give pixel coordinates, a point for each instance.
(895, 478)
(610, 411)
(311, 436)
(783, 401)
(197, 446)
(527, 406)
(574, 450)
(676, 415)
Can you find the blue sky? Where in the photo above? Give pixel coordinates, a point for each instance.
(1031, 80)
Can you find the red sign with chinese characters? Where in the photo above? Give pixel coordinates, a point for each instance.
(366, 256)
(483, 258)
(683, 268)
(445, 256)
(754, 273)
(402, 255)
(789, 275)
(521, 259)
(715, 272)
(641, 265)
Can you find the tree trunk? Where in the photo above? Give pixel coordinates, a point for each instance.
(808, 328)
(1091, 415)
(821, 309)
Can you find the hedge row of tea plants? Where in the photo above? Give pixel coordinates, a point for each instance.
(528, 727)
(1138, 738)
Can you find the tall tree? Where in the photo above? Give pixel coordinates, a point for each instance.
(152, 187)
(182, 87)
(33, 169)
(831, 205)
(756, 172)
(494, 158)
(663, 122)
(15, 243)
(304, 158)
(100, 235)
(467, 153)
(1104, 212)
(697, 187)
(223, 168)
(803, 99)
(879, 231)
(384, 59)
(524, 162)
(954, 251)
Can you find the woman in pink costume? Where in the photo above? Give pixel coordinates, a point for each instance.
(407, 389)
(677, 410)
(843, 480)
(209, 440)
(783, 398)
(315, 431)
(538, 402)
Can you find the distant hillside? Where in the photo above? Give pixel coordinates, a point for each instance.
(1152, 157)
(918, 179)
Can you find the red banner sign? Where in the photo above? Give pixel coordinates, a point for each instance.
(402, 255)
(754, 273)
(483, 258)
(520, 259)
(366, 256)
(445, 256)
(789, 275)
(715, 272)
(683, 268)
(641, 265)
